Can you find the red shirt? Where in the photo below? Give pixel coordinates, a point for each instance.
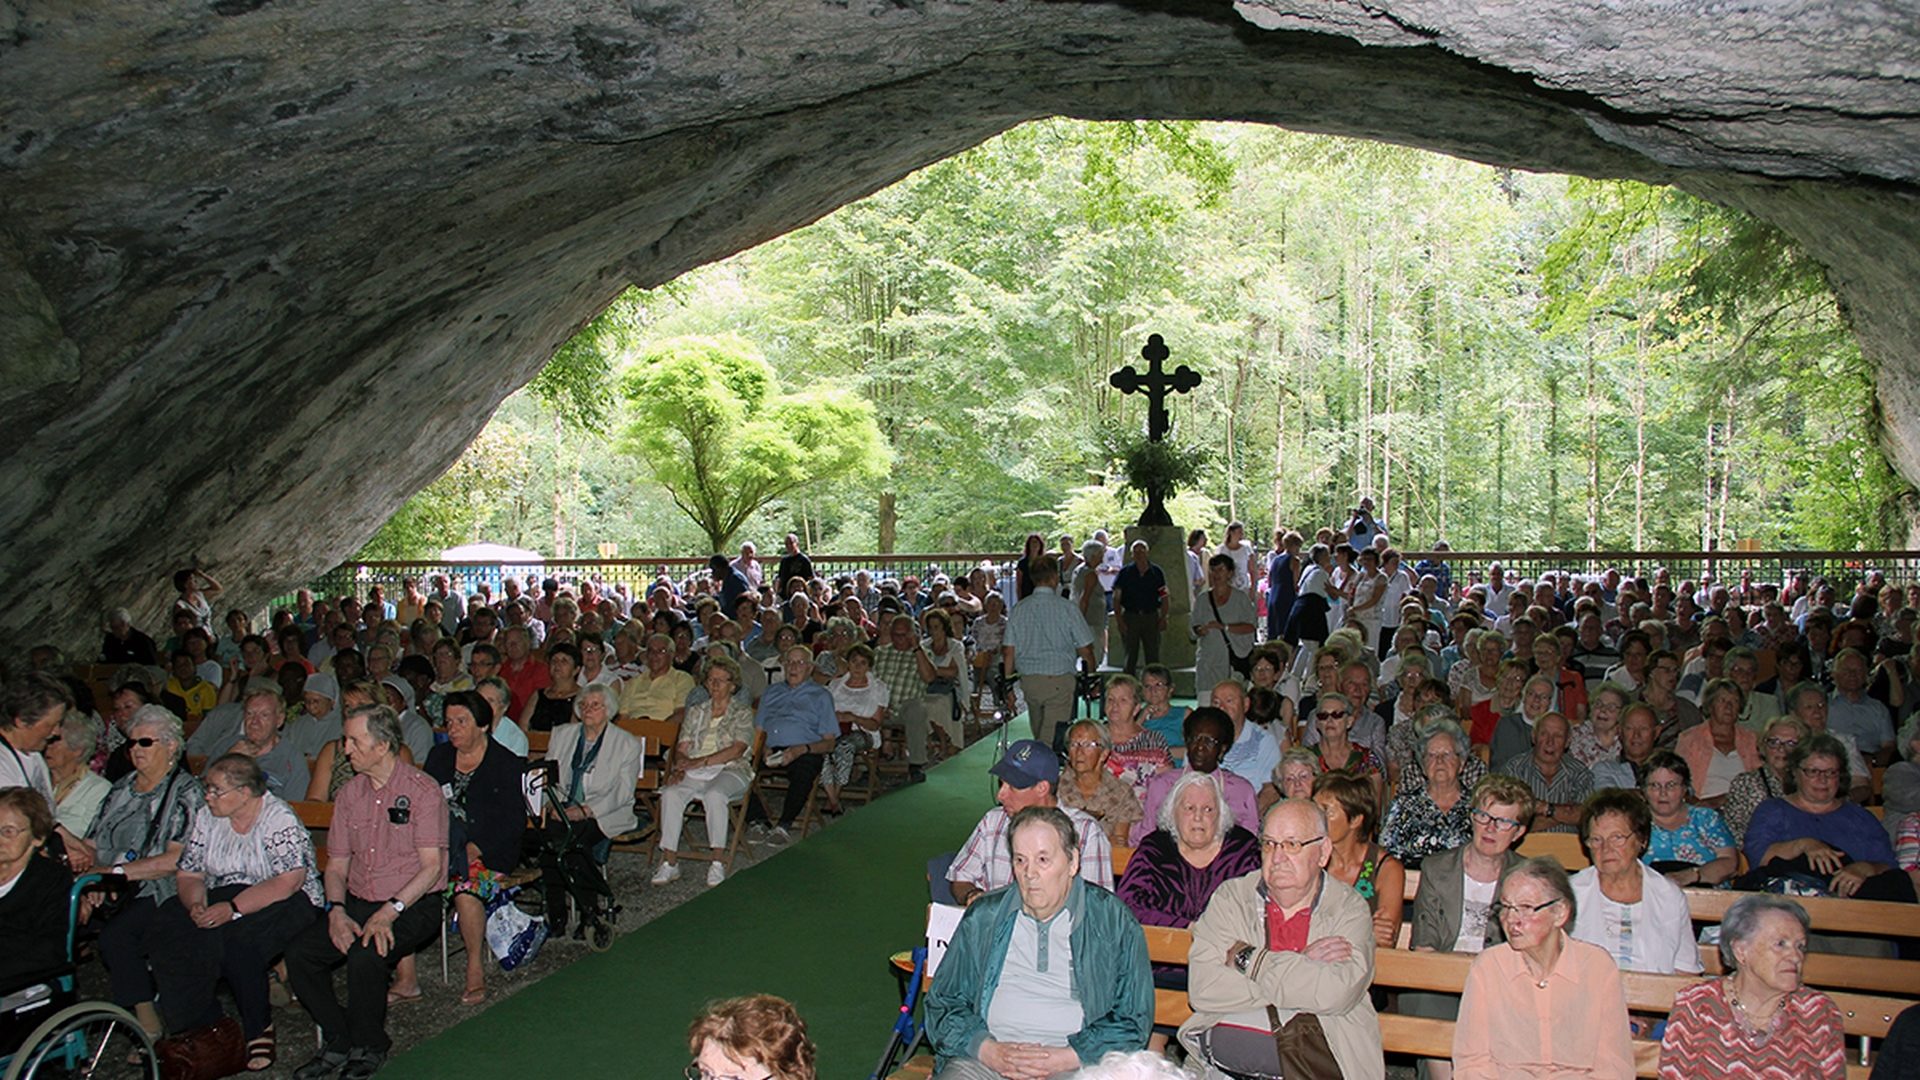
(532, 675)
(1287, 934)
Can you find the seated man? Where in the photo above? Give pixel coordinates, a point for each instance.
(659, 690)
(1285, 941)
(1560, 783)
(1029, 776)
(797, 715)
(1207, 733)
(1045, 978)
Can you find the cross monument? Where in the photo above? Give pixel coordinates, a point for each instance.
(1155, 384)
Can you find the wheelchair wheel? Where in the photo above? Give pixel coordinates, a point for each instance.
(91, 1040)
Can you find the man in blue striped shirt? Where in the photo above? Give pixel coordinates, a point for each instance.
(1045, 632)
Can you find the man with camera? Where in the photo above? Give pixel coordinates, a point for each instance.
(1361, 526)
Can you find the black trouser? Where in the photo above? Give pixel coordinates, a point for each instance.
(124, 942)
(362, 1023)
(189, 963)
(1140, 632)
(572, 867)
(800, 772)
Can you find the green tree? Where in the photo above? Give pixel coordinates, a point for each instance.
(712, 424)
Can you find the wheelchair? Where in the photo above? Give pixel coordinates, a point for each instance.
(67, 1038)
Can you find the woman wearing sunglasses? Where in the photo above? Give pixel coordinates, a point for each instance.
(1541, 1004)
(137, 842)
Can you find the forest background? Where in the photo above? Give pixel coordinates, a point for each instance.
(1505, 360)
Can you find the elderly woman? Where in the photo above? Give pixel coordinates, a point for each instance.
(1452, 910)
(247, 886)
(943, 668)
(1720, 749)
(1437, 815)
(487, 817)
(861, 703)
(1334, 713)
(33, 890)
(1513, 736)
(597, 766)
(1541, 1003)
(711, 764)
(1598, 739)
(759, 1036)
(78, 791)
(1349, 803)
(261, 723)
(1816, 834)
(137, 839)
(547, 707)
(1138, 752)
(1690, 844)
(1089, 785)
(1483, 720)
(1632, 913)
(1294, 777)
(1751, 788)
(1475, 682)
(1758, 1020)
(1900, 787)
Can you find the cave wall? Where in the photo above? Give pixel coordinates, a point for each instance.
(266, 267)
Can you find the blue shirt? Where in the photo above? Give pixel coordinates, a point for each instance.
(793, 715)
(1696, 842)
(1172, 727)
(1866, 720)
(1046, 633)
(1253, 756)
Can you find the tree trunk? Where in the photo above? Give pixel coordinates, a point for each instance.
(1279, 424)
(1593, 451)
(889, 521)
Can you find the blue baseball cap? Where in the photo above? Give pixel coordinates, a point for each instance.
(1027, 763)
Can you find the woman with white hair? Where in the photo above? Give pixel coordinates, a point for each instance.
(598, 765)
(78, 791)
(137, 842)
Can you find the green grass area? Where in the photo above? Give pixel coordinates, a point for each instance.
(814, 924)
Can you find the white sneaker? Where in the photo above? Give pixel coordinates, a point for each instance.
(667, 872)
(716, 873)
(778, 835)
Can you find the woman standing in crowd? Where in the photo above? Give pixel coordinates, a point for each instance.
(1540, 981)
(1759, 1019)
(1691, 844)
(1311, 619)
(1283, 581)
(1240, 550)
(1032, 552)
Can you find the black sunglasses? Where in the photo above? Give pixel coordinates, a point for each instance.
(144, 742)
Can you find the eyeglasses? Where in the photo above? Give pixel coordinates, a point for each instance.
(1204, 740)
(1502, 910)
(1504, 824)
(1084, 744)
(51, 739)
(1330, 715)
(213, 793)
(695, 1072)
(1782, 744)
(1666, 785)
(1819, 774)
(13, 832)
(1612, 841)
(1269, 845)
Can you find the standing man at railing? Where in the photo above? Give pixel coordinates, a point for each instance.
(1044, 635)
(452, 607)
(793, 564)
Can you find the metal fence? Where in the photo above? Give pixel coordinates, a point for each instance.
(1842, 568)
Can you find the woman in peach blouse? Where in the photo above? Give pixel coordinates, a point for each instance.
(1542, 1004)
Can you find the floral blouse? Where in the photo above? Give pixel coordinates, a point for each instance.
(1416, 827)
(1694, 843)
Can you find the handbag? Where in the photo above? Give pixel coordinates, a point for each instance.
(1302, 1042)
(1295, 1050)
(206, 1053)
(514, 936)
(1241, 665)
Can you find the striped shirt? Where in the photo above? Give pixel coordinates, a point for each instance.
(986, 863)
(1705, 1038)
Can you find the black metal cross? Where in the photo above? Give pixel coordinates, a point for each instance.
(1155, 384)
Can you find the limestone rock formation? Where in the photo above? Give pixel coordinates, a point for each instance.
(267, 266)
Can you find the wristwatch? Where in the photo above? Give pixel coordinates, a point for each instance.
(399, 905)
(1243, 958)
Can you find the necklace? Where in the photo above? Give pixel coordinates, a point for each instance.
(1760, 1030)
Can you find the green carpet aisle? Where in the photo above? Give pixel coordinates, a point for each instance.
(813, 924)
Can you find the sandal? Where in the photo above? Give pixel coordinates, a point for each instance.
(474, 995)
(260, 1051)
(395, 997)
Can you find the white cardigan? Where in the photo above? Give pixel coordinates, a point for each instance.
(609, 781)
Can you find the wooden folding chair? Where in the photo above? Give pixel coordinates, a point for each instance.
(657, 740)
(769, 784)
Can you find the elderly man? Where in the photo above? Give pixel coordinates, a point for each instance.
(1286, 941)
(1560, 783)
(1254, 754)
(1809, 703)
(794, 563)
(387, 863)
(797, 715)
(1045, 978)
(897, 662)
(659, 690)
(1639, 732)
(1045, 632)
(1852, 711)
(1140, 596)
(1029, 776)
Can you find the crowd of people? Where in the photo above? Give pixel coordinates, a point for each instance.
(1356, 719)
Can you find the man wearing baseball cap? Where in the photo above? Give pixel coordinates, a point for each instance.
(1029, 776)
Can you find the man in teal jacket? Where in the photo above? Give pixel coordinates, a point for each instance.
(1044, 977)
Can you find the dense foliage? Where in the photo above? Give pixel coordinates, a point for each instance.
(1501, 359)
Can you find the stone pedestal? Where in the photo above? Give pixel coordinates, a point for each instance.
(1167, 548)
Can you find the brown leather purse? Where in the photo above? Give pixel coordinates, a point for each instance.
(206, 1053)
(1302, 1043)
